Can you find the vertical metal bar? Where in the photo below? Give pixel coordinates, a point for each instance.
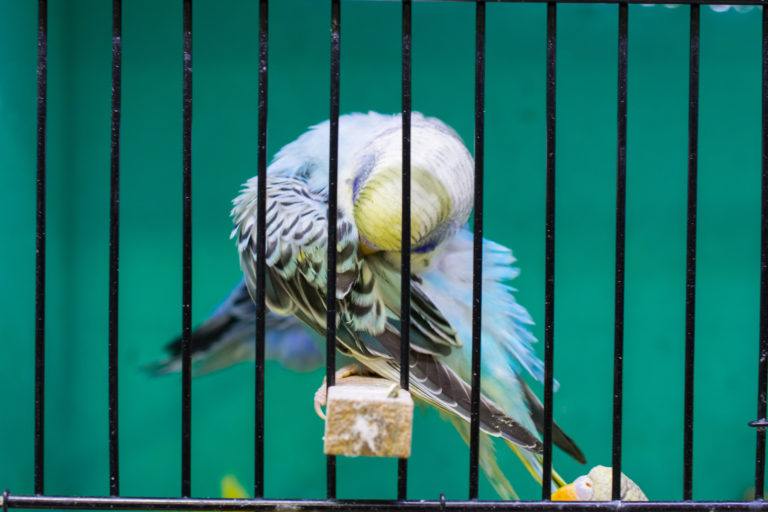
(762, 375)
(114, 247)
(621, 196)
(186, 300)
(549, 254)
(690, 279)
(261, 229)
(405, 271)
(477, 249)
(333, 168)
(42, 104)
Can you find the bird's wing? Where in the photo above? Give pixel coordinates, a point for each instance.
(431, 332)
(433, 381)
(296, 256)
(296, 246)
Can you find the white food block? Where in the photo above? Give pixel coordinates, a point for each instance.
(368, 416)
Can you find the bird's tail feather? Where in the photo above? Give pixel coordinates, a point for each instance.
(209, 348)
(292, 345)
(228, 337)
(559, 437)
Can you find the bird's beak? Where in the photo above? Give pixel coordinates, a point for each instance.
(365, 250)
(565, 493)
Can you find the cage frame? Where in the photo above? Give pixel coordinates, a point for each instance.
(115, 501)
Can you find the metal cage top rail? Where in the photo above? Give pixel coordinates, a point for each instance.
(609, 2)
(114, 501)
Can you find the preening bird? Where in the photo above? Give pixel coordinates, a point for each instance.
(368, 273)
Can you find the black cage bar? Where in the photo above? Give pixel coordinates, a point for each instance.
(621, 197)
(42, 104)
(762, 366)
(549, 252)
(333, 171)
(186, 256)
(261, 221)
(185, 502)
(405, 237)
(477, 247)
(114, 246)
(690, 279)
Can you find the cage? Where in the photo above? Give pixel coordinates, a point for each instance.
(660, 162)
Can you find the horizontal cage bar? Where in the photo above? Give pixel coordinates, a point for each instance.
(123, 503)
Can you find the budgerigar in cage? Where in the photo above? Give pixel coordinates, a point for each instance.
(368, 275)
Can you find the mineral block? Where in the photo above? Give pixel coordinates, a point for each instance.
(368, 416)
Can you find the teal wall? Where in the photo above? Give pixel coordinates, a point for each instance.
(225, 75)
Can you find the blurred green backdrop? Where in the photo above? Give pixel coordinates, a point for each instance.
(225, 77)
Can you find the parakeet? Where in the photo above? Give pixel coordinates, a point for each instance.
(368, 272)
(596, 486)
(228, 337)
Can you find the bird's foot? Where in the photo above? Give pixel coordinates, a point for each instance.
(345, 372)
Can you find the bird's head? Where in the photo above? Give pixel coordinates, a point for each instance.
(442, 181)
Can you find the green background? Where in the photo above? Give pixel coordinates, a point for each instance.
(225, 108)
